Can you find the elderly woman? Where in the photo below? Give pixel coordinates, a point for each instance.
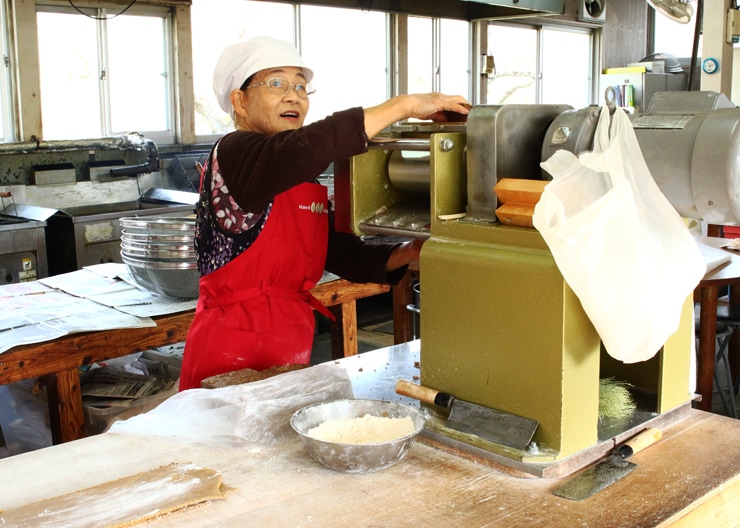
(264, 230)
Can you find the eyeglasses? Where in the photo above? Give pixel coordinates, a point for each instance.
(280, 86)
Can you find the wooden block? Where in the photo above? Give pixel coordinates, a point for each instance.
(515, 214)
(239, 377)
(518, 191)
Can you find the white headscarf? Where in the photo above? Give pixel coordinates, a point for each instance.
(240, 61)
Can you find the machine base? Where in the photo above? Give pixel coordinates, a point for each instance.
(525, 462)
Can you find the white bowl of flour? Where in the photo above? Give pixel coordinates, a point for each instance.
(357, 436)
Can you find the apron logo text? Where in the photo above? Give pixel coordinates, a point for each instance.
(315, 207)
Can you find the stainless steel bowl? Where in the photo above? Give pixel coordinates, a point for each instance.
(157, 223)
(168, 239)
(355, 458)
(140, 275)
(167, 254)
(159, 253)
(175, 279)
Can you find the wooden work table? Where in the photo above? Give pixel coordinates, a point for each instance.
(57, 362)
(708, 292)
(690, 478)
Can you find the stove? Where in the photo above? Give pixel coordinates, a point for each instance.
(91, 234)
(22, 250)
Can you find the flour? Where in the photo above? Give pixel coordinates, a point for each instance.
(366, 429)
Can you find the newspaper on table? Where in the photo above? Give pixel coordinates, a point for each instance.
(45, 314)
(111, 284)
(91, 299)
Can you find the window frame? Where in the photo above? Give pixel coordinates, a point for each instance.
(595, 43)
(165, 136)
(594, 70)
(7, 85)
(24, 76)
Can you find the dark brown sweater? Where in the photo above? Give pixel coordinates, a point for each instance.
(257, 167)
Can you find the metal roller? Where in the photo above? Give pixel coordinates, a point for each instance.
(410, 171)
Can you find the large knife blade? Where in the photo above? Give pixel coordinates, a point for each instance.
(608, 471)
(490, 424)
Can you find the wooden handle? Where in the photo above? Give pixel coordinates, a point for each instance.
(519, 191)
(515, 214)
(518, 198)
(424, 394)
(417, 392)
(5, 194)
(640, 441)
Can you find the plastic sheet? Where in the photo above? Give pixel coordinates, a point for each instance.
(618, 242)
(24, 417)
(257, 412)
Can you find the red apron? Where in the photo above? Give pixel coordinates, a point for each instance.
(256, 311)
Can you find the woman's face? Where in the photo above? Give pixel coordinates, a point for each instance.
(259, 109)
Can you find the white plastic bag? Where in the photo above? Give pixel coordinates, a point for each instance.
(24, 417)
(620, 245)
(257, 412)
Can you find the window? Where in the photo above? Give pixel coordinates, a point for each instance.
(139, 80)
(454, 65)
(536, 65)
(97, 80)
(514, 50)
(6, 106)
(216, 25)
(353, 73)
(566, 67)
(346, 48)
(438, 56)
(673, 37)
(421, 57)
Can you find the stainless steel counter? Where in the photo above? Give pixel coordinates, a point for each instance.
(374, 375)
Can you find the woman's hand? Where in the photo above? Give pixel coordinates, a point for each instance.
(419, 106)
(406, 253)
(427, 106)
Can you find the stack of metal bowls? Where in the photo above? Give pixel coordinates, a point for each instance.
(159, 253)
